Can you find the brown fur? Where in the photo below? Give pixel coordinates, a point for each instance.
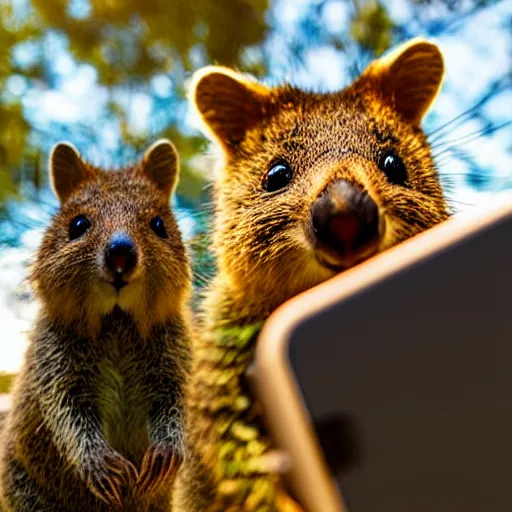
(97, 416)
(264, 242)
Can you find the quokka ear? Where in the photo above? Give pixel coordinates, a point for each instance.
(410, 78)
(228, 103)
(161, 165)
(67, 170)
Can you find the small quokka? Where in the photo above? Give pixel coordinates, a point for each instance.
(308, 185)
(97, 421)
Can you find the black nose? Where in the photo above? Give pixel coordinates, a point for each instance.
(121, 254)
(345, 218)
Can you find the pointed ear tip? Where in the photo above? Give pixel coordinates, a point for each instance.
(410, 55)
(203, 73)
(413, 46)
(62, 152)
(162, 151)
(64, 146)
(210, 70)
(162, 142)
(422, 45)
(207, 75)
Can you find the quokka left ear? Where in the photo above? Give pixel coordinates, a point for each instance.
(409, 78)
(67, 170)
(228, 103)
(161, 165)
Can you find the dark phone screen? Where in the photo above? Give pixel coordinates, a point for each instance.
(409, 383)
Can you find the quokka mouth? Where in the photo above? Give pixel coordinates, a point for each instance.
(339, 264)
(333, 268)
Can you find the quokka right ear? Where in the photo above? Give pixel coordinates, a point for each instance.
(409, 78)
(228, 103)
(67, 170)
(161, 166)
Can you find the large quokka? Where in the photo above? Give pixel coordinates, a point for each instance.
(97, 421)
(308, 185)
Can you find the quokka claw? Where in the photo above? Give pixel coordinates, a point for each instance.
(107, 478)
(160, 465)
(107, 489)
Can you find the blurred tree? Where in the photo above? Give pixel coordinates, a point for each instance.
(14, 127)
(129, 41)
(372, 27)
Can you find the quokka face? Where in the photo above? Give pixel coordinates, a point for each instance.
(311, 184)
(114, 241)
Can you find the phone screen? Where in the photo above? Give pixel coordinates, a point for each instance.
(409, 383)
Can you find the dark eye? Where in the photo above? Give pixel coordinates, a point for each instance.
(394, 168)
(158, 226)
(78, 226)
(278, 177)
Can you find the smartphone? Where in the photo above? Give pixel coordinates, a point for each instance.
(390, 385)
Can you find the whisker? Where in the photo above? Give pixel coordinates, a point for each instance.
(473, 136)
(456, 201)
(496, 87)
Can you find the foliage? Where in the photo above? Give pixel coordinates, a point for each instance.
(372, 27)
(6, 380)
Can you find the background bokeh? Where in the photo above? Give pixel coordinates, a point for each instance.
(111, 76)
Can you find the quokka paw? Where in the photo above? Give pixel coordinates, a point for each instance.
(108, 475)
(159, 466)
